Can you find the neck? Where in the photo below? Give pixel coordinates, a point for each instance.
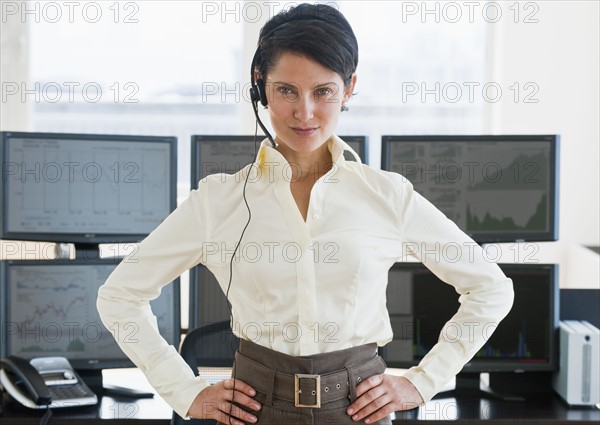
(307, 165)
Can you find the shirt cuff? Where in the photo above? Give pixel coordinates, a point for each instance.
(179, 390)
(424, 384)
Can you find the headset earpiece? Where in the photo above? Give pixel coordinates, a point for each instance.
(260, 88)
(257, 92)
(254, 95)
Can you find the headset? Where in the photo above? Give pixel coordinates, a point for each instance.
(257, 94)
(257, 89)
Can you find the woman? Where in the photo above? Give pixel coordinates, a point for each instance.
(310, 318)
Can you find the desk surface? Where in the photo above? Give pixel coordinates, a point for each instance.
(447, 410)
(548, 409)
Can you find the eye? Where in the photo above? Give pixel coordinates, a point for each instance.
(286, 90)
(323, 91)
(287, 93)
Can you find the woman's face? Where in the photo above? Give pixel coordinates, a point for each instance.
(304, 101)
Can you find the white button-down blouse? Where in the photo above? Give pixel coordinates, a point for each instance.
(304, 287)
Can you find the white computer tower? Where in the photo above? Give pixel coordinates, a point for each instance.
(578, 379)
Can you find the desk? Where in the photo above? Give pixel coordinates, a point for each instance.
(438, 411)
(112, 411)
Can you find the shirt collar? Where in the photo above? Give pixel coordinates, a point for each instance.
(268, 156)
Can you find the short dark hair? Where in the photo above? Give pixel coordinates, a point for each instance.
(317, 31)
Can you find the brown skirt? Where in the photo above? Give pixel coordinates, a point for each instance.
(284, 382)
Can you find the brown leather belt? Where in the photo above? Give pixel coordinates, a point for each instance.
(309, 390)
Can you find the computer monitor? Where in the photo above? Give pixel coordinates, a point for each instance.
(360, 145)
(221, 154)
(213, 154)
(495, 188)
(48, 308)
(420, 304)
(207, 300)
(580, 304)
(85, 188)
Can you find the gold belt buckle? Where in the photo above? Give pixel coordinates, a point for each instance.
(317, 390)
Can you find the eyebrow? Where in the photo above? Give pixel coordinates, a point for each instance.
(316, 86)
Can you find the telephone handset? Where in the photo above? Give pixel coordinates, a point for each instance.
(44, 382)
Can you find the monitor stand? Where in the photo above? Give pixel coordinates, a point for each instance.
(93, 379)
(87, 251)
(470, 386)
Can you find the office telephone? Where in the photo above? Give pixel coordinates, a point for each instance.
(44, 382)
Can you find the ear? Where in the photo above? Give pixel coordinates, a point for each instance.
(349, 89)
(256, 74)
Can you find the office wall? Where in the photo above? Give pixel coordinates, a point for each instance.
(559, 54)
(14, 115)
(14, 70)
(251, 32)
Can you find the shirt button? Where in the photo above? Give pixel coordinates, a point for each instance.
(316, 216)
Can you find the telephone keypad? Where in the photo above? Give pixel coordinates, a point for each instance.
(66, 392)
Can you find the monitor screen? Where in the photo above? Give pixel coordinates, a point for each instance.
(360, 145)
(207, 300)
(580, 304)
(221, 154)
(229, 154)
(49, 308)
(85, 188)
(495, 188)
(420, 304)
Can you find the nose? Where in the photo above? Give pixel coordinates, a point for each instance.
(304, 108)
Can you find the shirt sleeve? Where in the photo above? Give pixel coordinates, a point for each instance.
(123, 300)
(486, 294)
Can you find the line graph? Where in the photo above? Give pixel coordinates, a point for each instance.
(51, 305)
(52, 310)
(88, 186)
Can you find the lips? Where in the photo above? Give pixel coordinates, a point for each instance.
(305, 132)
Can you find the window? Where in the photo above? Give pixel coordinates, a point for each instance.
(158, 70)
(175, 68)
(171, 68)
(416, 71)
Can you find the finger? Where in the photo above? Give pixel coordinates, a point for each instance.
(236, 412)
(384, 412)
(368, 393)
(239, 386)
(242, 399)
(376, 403)
(226, 419)
(364, 401)
(367, 384)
